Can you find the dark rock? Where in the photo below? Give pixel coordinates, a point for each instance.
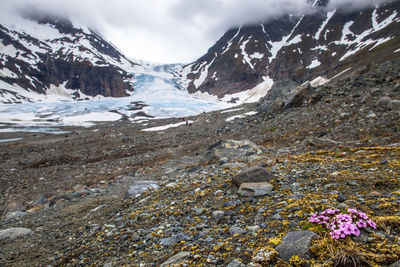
(296, 243)
(252, 175)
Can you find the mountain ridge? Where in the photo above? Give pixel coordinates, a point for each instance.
(43, 54)
(292, 50)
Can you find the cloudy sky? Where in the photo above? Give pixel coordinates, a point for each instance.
(168, 31)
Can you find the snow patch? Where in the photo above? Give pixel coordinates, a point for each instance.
(328, 18)
(319, 81)
(246, 57)
(231, 110)
(165, 127)
(361, 41)
(277, 46)
(241, 116)
(397, 51)
(315, 63)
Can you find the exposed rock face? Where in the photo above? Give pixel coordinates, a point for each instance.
(55, 55)
(292, 50)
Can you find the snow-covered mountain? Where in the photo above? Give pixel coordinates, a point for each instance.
(50, 58)
(288, 51)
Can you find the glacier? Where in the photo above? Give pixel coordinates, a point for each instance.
(158, 94)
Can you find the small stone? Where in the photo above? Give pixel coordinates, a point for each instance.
(342, 206)
(277, 217)
(334, 174)
(13, 233)
(217, 214)
(171, 185)
(383, 102)
(198, 211)
(373, 194)
(236, 263)
(176, 259)
(254, 229)
(15, 215)
(328, 186)
(341, 198)
(234, 230)
(352, 183)
(255, 189)
(394, 105)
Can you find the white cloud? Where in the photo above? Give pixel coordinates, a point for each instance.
(168, 30)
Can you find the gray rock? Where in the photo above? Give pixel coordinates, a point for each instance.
(296, 243)
(236, 263)
(13, 233)
(178, 258)
(394, 104)
(139, 187)
(252, 175)
(255, 189)
(253, 229)
(383, 102)
(234, 230)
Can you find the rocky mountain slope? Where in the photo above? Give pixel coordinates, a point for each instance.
(288, 51)
(46, 55)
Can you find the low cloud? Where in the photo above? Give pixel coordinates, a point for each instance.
(169, 30)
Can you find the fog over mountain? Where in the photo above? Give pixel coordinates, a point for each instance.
(167, 31)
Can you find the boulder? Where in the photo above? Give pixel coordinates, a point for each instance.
(255, 189)
(12, 233)
(296, 243)
(14, 203)
(252, 175)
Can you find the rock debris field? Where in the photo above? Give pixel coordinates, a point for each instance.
(215, 193)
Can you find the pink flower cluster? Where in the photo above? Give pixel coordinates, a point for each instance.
(342, 224)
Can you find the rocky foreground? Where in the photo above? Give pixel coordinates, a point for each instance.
(216, 193)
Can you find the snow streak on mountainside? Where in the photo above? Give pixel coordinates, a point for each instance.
(53, 57)
(292, 50)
